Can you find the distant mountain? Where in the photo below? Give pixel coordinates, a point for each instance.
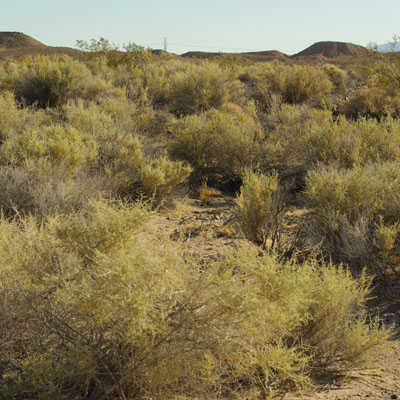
(17, 44)
(332, 50)
(388, 47)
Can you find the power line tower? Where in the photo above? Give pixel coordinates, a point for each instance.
(165, 44)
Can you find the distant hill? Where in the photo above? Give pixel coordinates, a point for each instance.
(17, 44)
(332, 50)
(17, 40)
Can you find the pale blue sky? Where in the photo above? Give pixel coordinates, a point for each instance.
(219, 25)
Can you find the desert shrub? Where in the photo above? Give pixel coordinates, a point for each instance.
(356, 212)
(14, 120)
(255, 204)
(159, 176)
(25, 190)
(384, 72)
(48, 81)
(201, 87)
(57, 145)
(89, 312)
(114, 126)
(371, 190)
(301, 138)
(218, 144)
(371, 102)
(295, 84)
(336, 75)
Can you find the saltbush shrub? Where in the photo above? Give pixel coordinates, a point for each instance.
(28, 190)
(295, 84)
(90, 312)
(255, 204)
(336, 75)
(201, 87)
(302, 138)
(218, 144)
(48, 81)
(371, 102)
(356, 212)
(57, 145)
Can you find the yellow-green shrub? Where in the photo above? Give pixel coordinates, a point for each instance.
(90, 312)
(218, 143)
(14, 120)
(355, 213)
(48, 81)
(336, 75)
(302, 138)
(58, 145)
(254, 202)
(201, 87)
(159, 176)
(295, 84)
(371, 102)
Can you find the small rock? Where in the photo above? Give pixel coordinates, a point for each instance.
(394, 396)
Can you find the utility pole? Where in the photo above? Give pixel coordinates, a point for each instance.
(165, 44)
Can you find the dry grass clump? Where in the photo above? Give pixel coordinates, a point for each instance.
(89, 312)
(25, 190)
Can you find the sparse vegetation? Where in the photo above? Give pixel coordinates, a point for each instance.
(107, 293)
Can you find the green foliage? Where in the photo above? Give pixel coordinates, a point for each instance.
(217, 143)
(47, 81)
(254, 202)
(96, 46)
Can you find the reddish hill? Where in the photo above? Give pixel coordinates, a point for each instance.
(17, 40)
(332, 50)
(17, 44)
